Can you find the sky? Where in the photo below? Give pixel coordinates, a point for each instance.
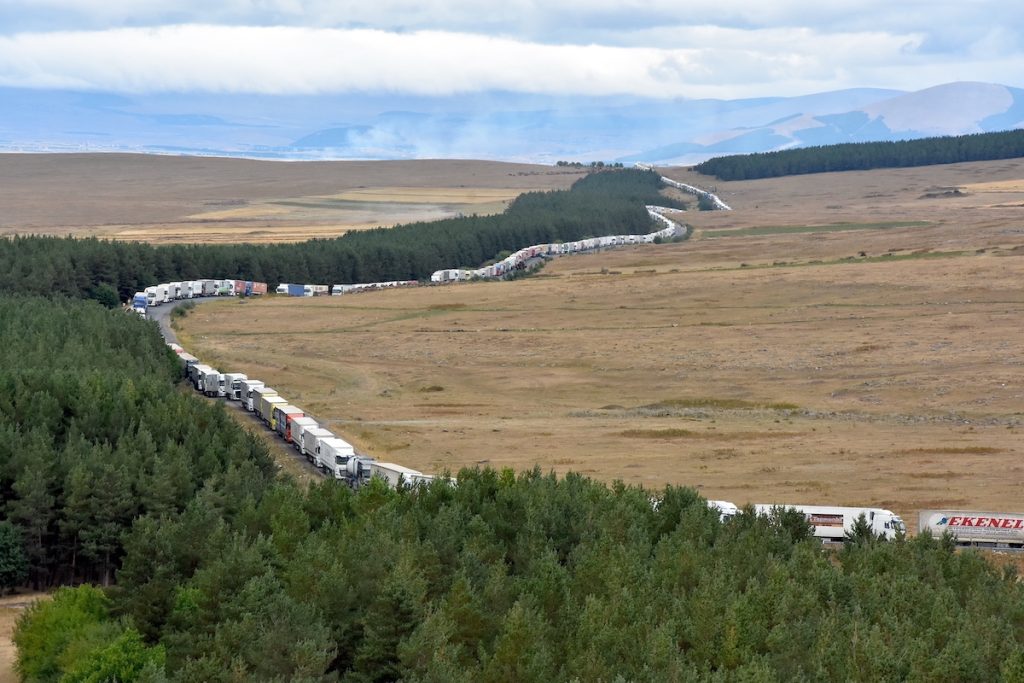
(725, 49)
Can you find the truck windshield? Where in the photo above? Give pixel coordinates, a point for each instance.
(898, 524)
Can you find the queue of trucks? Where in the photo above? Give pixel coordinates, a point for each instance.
(329, 453)
(193, 289)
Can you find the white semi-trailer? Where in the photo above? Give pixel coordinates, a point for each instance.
(309, 439)
(298, 424)
(248, 387)
(397, 475)
(980, 529)
(725, 509)
(211, 382)
(332, 453)
(831, 524)
(233, 385)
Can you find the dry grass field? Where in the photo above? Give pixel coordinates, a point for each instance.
(11, 607)
(843, 338)
(190, 199)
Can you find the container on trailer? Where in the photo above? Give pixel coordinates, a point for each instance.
(233, 385)
(725, 509)
(281, 415)
(309, 439)
(397, 475)
(296, 290)
(332, 453)
(256, 396)
(248, 397)
(981, 529)
(831, 524)
(267, 405)
(210, 381)
(196, 374)
(297, 425)
(258, 288)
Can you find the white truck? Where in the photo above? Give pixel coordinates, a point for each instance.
(831, 524)
(248, 387)
(309, 439)
(211, 382)
(979, 529)
(397, 475)
(725, 509)
(233, 385)
(332, 453)
(298, 424)
(257, 396)
(185, 291)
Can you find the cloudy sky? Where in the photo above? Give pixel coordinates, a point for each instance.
(660, 48)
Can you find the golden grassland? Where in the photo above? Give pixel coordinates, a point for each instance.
(871, 366)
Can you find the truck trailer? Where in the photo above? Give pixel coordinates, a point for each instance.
(282, 415)
(978, 529)
(256, 397)
(233, 385)
(332, 453)
(397, 475)
(247, 398)
(309, 439)
(297, 425)
(831, 524)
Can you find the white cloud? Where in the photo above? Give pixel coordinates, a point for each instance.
(708, 62)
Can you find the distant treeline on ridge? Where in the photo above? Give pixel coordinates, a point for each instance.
(861, 156)
(602, 203)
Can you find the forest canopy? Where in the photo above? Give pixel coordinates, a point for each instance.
(861, 156)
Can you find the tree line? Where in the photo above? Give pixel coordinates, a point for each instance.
(602, 203)
(860, 156)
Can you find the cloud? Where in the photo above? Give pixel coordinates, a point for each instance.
(708, 62)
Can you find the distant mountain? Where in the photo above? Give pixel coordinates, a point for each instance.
(507, 126)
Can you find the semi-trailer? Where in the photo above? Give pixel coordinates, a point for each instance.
(247, 398)
(282, 413)
(309, 439)
(267, 405)
(256, 397)
(196, 373)
(233, 385)
(211, 382)
(979, 529)
(397, 475)
(297, 425)
(332, 452)
(831, 524)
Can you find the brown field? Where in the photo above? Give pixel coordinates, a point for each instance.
(190, 199)
(874, 361)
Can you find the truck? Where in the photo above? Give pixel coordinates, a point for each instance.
(397, 475)
(151, 299)
(725, 509)
(332, 452)
(266, 409)
(282, 414)
(188, 360)
(140, 303)
(163, 293)
(296, 290)
(257, 395)
(248, 387)
(258, 288)
(211, 382)
(196, 373)
(356, 471)
(978, 529)
(309, 438)
(208, 287)
(831, 524)
(174, 290)
(233, 385)
(185, 290)
(298, 424)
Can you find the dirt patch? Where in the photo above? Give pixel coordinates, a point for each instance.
(11, 607)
